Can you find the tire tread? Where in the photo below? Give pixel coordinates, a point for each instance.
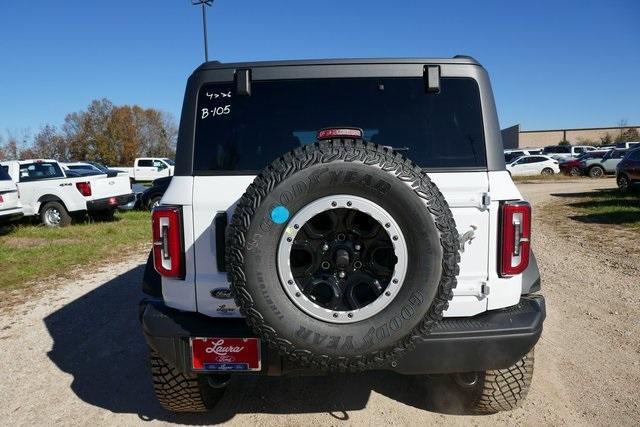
(346, 150)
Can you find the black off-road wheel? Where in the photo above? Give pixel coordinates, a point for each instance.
(179, 392)
(623, 183)
(485, 392)
(366, 255)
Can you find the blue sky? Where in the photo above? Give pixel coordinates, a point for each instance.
(553, 64)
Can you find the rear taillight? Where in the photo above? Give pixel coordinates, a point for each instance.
(515, 237)
(1, 199)
(168, 247)
(84, 188)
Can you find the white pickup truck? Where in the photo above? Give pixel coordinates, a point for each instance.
(10, 207)
(46, 191)
(148, 169)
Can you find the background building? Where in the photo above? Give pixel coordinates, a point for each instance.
(513, 137)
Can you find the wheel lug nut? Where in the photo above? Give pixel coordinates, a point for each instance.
(342, 274)
(341, 237)
(357, 247)
(357, 265)
(325, 265)
(325, 247)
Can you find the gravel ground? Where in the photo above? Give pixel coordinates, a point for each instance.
(75, 354)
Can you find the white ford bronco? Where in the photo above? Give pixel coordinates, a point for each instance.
(341, 216)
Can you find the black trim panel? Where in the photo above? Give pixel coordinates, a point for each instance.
(492, 340)
(103, 204)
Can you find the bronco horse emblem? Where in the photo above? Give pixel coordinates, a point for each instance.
(468, 236)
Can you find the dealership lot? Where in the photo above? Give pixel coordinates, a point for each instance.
(81, 351)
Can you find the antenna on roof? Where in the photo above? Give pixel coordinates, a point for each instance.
(204, 3)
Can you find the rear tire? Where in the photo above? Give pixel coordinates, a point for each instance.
(596, 172)
(487, 393)
(54, 214)
(155, 201)
(547, 171)
(623, 183)
(178, 392)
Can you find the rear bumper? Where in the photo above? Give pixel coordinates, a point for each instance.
(10, 215)
(110, 202)
(492, 340)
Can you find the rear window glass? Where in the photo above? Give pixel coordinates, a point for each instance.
(4, 173)
(243, 134)
(40, 170)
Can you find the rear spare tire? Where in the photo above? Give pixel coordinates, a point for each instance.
(342, 254)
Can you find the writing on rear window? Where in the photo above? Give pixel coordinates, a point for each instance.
(242, 134)
(216, 111)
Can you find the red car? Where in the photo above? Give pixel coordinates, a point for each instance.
(628, 170)
(572, 167)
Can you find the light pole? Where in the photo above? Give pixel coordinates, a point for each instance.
(204, 3)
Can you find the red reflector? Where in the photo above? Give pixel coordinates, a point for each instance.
(1, 199)
(84, 188)
(168, 252)
(515, 240)
(329, 133)
(113, 201)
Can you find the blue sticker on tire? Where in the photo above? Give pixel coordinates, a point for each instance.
(279, 214)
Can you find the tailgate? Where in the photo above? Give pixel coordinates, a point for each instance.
(8, 199)
(464, 193)
(103, 187)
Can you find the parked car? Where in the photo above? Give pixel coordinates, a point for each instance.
(628, 144)
(151, 197)
(511, 154)
(80, 166)
(533, 165)
(282, 246)
(149, 169)
(589, 163)
(628, 170)
(10, 206)
(566, 152)
(75, 169)
(104, 169)
(53, 195)
(606, 165)
(573, 166)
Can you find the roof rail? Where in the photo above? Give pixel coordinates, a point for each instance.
(465, 57)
